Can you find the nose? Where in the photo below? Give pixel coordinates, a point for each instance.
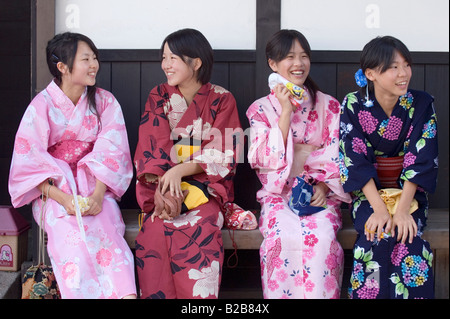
(403, 70)
(165, 64)
(94, 64)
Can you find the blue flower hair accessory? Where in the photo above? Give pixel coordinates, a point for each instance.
(360, 78)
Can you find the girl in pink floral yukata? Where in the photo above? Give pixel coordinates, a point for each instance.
(72, 144)
(294, 150)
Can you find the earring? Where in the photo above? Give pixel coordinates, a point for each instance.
(368, 103)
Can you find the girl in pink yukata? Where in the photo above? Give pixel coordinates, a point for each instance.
(294, 142)
(72, 142)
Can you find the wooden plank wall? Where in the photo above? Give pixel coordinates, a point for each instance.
(15, 79)
(131, 74)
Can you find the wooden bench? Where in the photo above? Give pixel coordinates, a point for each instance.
(436, 233)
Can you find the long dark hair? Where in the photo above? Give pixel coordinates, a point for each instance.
(191, 44)
(379, 54)
(63, 48)
(279, 47)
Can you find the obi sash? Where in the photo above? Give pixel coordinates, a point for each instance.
(71, 151)
(389, 170)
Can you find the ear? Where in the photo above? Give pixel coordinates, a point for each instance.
(62, 68)
(273, 65)
(370, 74)
(197, 64)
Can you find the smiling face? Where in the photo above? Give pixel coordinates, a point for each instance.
(84, 69)
(178, 72)
(393, 82)
(295, 66)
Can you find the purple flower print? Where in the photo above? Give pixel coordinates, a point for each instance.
(370, 290)
(367, 121)
(359, 146)
(409, 159)
(393, 128)
(400, 250)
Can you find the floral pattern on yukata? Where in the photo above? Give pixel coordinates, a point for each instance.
(386, 268)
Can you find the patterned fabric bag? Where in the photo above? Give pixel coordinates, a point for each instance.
(302, 191)
(39, 281)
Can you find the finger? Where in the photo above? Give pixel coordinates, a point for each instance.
(379, 232)
(163, 186)
(400, 233)
(393, 226)
(388, 226)
(412, 233)
(172, 190)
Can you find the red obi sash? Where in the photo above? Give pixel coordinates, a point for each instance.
(389, 170)
(71, 151)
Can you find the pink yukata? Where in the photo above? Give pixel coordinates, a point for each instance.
(300, 256)
(61, 141)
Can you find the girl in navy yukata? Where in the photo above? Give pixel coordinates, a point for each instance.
(388, 140)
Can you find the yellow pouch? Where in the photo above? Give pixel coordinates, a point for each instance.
(198, 195)
(391, 197)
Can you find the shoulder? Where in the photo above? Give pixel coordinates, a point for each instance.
(261, 105)
(221, 92)
(421, 96)
(218, 89)
(326, 98)
(104, 94)
(105, 99)
(420, 101)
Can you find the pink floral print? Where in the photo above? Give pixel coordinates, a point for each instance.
(300, 256)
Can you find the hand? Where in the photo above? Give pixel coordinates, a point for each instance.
(283, 95)
(375, 224)
(66, 201)
(320, 195)
(95, 202)
(171, 181)
(406, 225)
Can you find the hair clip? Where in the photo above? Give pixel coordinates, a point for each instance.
(360, 78)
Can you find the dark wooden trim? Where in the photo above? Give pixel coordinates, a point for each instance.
(330, 56)
(152, 55)
(268, 21)
(319, 56)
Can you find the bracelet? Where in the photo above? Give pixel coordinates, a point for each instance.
(368, 230)
(374, 232)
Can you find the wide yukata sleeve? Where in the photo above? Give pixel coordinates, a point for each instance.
(267, 153)
(31, 164)
(110, 159)
(221, 143)
(323, 163)
(152, 154)
(356, 155)
(420, 164)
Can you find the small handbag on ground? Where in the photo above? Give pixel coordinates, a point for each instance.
(39, 281)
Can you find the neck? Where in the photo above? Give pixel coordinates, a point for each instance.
(190, 91)
(387, 102)
(72, 92)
